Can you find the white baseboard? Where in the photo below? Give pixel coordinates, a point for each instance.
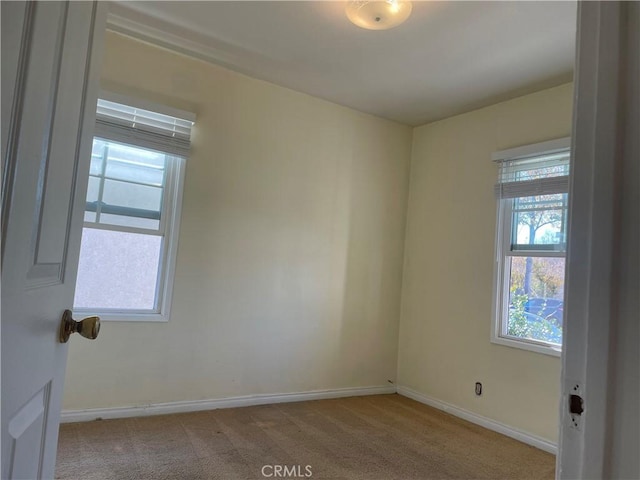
(88, 415)
(524, 437)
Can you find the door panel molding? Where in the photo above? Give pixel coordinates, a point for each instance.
(15, 116)
(59, 167)
(45, 163)
(29, 420)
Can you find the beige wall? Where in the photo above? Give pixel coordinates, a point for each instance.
(448, 270)
(289, 264)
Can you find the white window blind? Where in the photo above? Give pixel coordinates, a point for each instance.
(144, 128)
(533, 176)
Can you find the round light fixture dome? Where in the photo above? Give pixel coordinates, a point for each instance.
(378, 14)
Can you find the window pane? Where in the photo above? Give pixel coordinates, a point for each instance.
(129, 191)
(93, 189)
(135, 172)
(125, 194)
(536, 292)
(539, 220)
(97, 155)
(117, 270)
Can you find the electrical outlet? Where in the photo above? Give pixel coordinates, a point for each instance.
(478, 388)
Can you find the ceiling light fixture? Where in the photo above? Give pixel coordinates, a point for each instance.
(378, 14)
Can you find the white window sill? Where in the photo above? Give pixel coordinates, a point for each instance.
(122, 316)
(525, 345)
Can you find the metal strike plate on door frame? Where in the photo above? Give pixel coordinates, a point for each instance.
(575, 405)
(87, 327)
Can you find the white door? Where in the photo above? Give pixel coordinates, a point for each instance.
(50, 63)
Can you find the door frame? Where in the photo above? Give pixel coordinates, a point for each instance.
(592, 256)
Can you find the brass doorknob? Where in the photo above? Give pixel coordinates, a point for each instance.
(88, 327)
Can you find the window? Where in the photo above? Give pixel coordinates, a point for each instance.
(131, 220)
(532, 192)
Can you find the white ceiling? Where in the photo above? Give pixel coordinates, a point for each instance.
(448, 58)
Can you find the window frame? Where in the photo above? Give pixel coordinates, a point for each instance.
(503, 255)
(168, 230)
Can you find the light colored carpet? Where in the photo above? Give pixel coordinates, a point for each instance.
(380, 437)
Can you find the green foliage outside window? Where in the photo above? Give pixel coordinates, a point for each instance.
(531, 325)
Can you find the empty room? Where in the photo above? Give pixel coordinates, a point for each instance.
(320, 239)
